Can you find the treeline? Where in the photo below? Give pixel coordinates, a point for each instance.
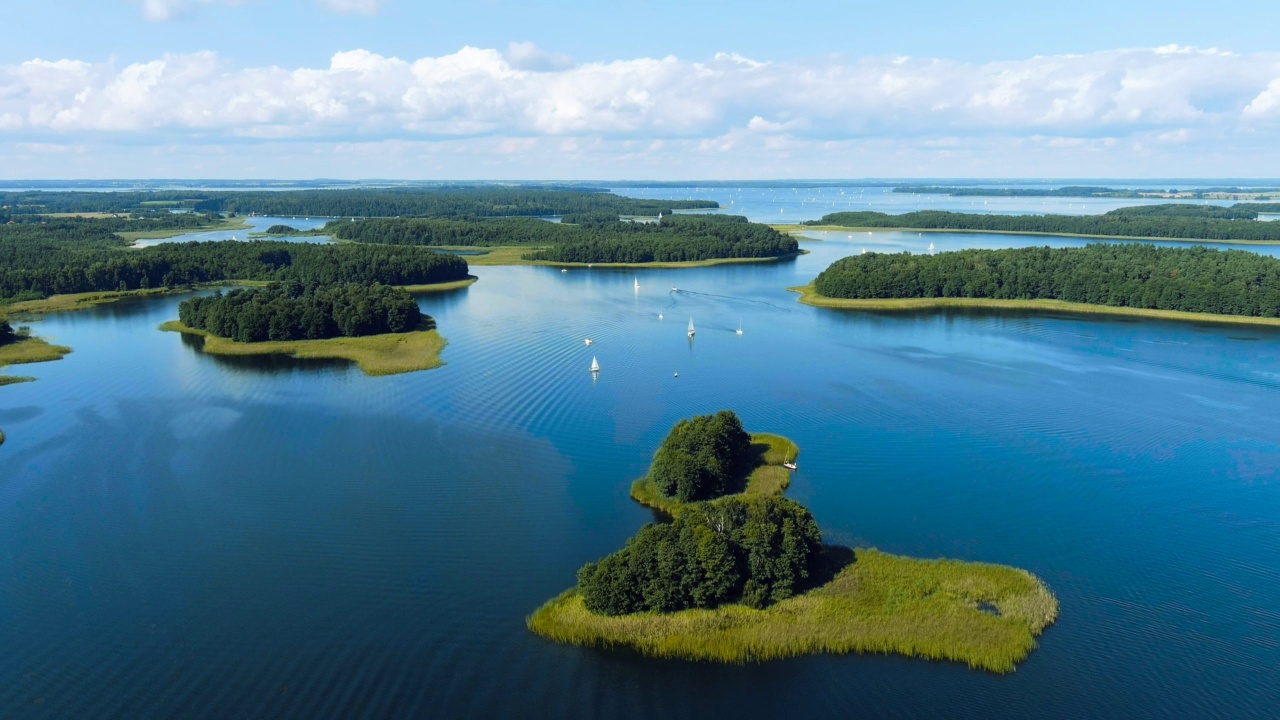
(1197, 279)
(294, 311)
(1085, 191)
(440, 231)
(1183, 210)
(752, 551)
(1109, 225)
(680, 238)
(446, 201)
(64, 269)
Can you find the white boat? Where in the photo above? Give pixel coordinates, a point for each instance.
(930, 247)
(691, 327)
(789, 465)
(595, 366)
(564, 269)
(739, 326)
(864, 251)
(587, 341)
(637, 283)
(659, 316)
(675, 289)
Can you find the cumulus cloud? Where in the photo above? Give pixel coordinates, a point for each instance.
(728, 104)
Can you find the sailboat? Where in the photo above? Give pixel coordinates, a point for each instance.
(930, 247)
(739, 326)
(595, 366)
(637, 283)
(690, 327)
(588, 341)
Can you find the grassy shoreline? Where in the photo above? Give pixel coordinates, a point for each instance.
(793, 229)
(809, 296)
(30, 350)
(376, 355)
(440, 287)
(986, 616)
(229, 224)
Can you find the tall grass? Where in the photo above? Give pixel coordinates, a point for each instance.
(31, 350)
(375, 354)
(879, 603)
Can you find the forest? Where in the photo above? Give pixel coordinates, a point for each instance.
(297, 311)
(1079, 191)
(1197, 279)
(444, 201)
(703, 457)
(40, 268)
(1130, 224)
(753, 551)
(7, 334)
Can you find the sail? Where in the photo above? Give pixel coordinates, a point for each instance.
(690, 326)
(595, 366)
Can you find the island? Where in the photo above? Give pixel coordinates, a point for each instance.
(375, 326)
(1093, 191)
(739, 573)
(1172, 222)
(1191, 284)
(18, 347)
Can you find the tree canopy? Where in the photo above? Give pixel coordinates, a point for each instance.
(1196, 279)
(7, 335)
(755, 551)
(293, 311)
(703, 457)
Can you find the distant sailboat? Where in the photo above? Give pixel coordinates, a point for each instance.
(739, 326)
(931, 247)
(595, 366)
(564, 269)
(864, 251)
(691, 327)
(659, 316)
(637, 283)
(588, 341)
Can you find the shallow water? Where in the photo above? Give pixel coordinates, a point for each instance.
(187, 536)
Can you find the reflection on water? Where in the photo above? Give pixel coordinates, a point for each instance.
(188, 536)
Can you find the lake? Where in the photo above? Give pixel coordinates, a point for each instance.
(258, 223)
(200, 537)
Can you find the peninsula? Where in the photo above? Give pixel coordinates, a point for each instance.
(1195, 284)
(740, 574)
(18, 348)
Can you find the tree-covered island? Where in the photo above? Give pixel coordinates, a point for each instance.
(740, 574)
(378, 327)
(1194, 283)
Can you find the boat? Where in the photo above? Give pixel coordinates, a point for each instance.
(587, 341)
(637, 283)
(739, 326)
(675, 289)
(864, 251)
(564, 269)
(675, 374)
(659, 316)
(930, 247)
(789, 465)
(595, 366)
(691, 327)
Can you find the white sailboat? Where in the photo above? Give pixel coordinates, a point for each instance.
(637, 283)
(691, 327)
(739, 326)
(595, 365)
(588, 341)
(931, 248)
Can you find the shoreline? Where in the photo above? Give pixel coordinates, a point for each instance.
(795, 229)
(29, 350)
(512, 255)
(133, 237)
(767, 478)
(809, 296)
(375, 355)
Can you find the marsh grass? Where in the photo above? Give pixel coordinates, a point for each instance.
(14, 379)
(31, 350)
(388, 354)
(878, 603)
(768, 477)
(810, 296)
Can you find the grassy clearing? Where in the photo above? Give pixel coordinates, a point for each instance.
(31, 350)
(986, 616)
(809, 296)
(228, 224)
(389, 354)
(441, 287)
(768, 478)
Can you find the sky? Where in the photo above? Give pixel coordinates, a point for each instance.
(630, 89)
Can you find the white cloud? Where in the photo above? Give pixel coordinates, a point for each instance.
(502, 102)
(165, 10)
(353, 7)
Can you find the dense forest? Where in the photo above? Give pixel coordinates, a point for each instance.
(679, 238)
(1231, 282)
(596, 239)
(7, 335)
(444, 201)
(294, 311)
(754, 551)
(703, 457)
(41, 268)
(1186, 210)
(1109, 225)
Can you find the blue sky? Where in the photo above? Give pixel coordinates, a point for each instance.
(660, 89)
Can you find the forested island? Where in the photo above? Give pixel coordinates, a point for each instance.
(595, 239)
(378, 327)
(1165, 222)
(1086, 191)
(1233, 285)
(742, 576)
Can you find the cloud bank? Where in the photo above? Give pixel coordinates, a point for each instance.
(1111, 103)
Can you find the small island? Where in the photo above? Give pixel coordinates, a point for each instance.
(375, 326)
(1188, 284)
(17, 347)
(740, 574)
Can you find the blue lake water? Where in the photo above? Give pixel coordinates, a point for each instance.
(187, 536)
(256, 224)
